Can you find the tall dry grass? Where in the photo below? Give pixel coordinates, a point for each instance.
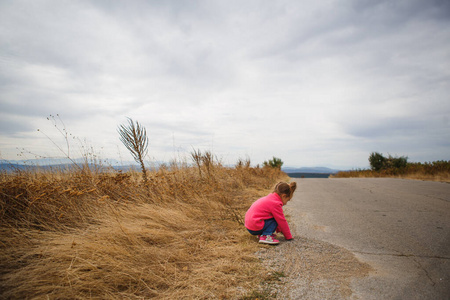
(432, 171)
(85, 233)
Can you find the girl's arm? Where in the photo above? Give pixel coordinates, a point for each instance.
(283, 225)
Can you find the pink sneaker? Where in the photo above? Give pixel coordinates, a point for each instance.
(267, 239)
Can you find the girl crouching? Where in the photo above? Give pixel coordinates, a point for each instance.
(265, 215)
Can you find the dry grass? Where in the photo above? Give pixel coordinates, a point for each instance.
(89, 234)
(441, 176)
(432, 171)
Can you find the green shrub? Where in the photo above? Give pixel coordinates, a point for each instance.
(275, 162)
(378, 162)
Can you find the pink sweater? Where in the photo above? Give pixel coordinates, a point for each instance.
(265, 208)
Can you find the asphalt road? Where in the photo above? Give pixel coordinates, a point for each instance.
(401, 228)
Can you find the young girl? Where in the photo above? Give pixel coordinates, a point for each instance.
(266, 214)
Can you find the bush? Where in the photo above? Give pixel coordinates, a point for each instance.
(396, 162)
(378, 162)
(275, 162)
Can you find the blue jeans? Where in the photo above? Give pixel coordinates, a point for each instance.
(270, 225)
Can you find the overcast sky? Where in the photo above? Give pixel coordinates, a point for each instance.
(315, 83)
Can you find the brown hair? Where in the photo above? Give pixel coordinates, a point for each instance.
(284, 188)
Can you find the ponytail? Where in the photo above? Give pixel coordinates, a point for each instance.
(292, 187)
(284, 188)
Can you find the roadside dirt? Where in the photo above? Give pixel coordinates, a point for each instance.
(310, 269)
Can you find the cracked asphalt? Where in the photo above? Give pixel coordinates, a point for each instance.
(400, 228)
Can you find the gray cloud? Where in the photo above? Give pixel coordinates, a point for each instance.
(292, 78)
(12, 126)
(388, 127)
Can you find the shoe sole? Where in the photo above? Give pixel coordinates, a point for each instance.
(270, 243)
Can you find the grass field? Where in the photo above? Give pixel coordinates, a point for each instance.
(85, 233)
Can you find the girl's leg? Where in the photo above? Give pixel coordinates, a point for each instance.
(252, 232)
(270, 225)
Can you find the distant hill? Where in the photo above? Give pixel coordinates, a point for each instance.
(125, 166)
(66, 164)
(9, 167)
(317, 170)
(12, 167)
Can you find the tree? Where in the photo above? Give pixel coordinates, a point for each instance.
(134, 137)
(377, 161)
(275, 162)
